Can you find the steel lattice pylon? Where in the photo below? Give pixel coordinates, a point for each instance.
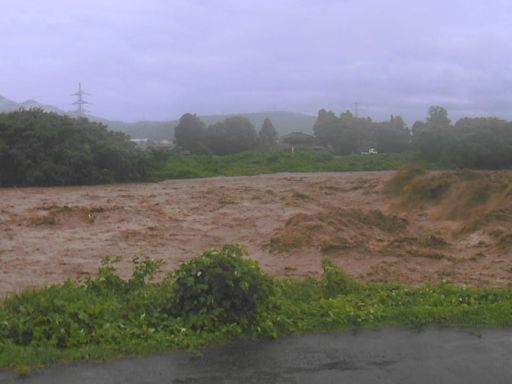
(80, 102)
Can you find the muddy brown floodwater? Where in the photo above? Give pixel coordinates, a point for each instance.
(287, 221)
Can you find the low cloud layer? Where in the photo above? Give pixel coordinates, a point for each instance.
(158, 59)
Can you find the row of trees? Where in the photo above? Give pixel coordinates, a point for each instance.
(40, 148)
(470, 142)
(344, 134)
(234, 134)
(479, 142)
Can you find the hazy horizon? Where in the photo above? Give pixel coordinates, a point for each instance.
(157, 59)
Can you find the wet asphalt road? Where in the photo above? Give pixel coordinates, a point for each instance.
(431, 356)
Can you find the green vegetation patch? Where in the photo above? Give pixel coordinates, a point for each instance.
(218, 297)
(255, 163)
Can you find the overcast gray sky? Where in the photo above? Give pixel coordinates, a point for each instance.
(156, 59)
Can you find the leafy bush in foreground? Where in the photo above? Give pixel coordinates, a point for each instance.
(221, 284)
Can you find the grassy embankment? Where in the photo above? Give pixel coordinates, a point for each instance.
(106, 317)
(254, 163)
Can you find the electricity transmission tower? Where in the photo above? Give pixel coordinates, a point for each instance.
(80, 102)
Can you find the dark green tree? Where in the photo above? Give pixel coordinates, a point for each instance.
(326, 127)
(346, 134)
(438, 116)
(267, 134)
(484, 143)
(356, 134)
(433, 137)
(190, 133)
(234, 134)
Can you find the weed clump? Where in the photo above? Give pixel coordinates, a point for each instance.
(335, 281)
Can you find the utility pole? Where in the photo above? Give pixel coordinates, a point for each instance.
(80, 102)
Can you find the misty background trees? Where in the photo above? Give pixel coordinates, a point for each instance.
(472, 142)
(478, 142)
(268, 134)
(234, 134)
(347, 134)
(428, 136)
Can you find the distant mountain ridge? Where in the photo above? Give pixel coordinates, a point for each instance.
(7, 105)
(284, 122)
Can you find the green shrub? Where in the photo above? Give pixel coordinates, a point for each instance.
(220, 284)
(108, 280)
(59, 316)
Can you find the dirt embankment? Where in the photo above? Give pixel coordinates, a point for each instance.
(406, 227)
